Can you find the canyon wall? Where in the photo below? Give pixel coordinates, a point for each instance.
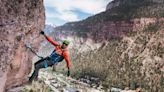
(20, 24)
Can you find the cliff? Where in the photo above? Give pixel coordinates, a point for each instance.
(20, 24)
(121, 17)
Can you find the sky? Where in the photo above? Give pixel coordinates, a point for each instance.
(59, 12)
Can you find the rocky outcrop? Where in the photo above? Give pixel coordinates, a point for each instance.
(20, 23)
(113, 4)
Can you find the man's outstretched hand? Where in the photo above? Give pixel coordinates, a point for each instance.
(68, 72)
(42, 33)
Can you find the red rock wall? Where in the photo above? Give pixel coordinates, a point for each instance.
(20, 23)
(105, 31)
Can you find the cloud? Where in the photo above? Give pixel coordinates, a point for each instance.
(65, 15)
(65, 9)
(87, 6)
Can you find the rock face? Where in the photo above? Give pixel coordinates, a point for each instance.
(20, 23)
(116, 3)
(113, 4)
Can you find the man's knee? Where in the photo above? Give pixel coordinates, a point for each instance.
(38, 63)
(37, 66)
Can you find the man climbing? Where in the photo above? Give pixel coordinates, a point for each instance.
(60, 52)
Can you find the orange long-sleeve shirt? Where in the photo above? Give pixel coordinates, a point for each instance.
(59, 50)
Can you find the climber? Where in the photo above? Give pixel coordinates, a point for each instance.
(60, 52)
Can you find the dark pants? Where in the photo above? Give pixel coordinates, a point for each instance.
(38, 65)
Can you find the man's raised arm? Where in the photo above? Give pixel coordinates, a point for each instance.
(66, 56)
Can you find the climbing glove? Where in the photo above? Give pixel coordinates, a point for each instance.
(42, 32)
(68, 72)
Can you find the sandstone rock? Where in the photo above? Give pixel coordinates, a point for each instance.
(20, 23)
